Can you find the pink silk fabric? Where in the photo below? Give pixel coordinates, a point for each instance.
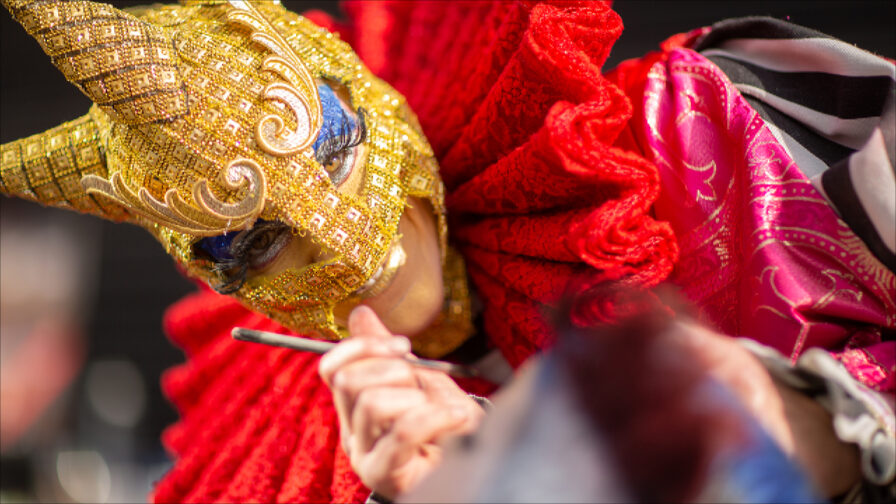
(763, 255)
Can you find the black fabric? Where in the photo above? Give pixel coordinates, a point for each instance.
(759, 27)
(375, 498)
(829, 152)
(846, 97)
(837, 183)
(800, 104)
(888, 128)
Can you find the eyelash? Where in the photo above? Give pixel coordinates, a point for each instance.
(239, 249)
(345, 140)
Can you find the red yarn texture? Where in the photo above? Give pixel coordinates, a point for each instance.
(510, 94)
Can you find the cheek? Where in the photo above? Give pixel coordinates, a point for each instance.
(419, 223)
(416, 295)
(430, 264)
(299, 252)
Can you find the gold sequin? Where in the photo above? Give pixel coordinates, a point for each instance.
(204, 119)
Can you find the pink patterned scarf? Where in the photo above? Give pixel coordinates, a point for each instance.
(763, 254)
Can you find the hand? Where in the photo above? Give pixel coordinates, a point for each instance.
(392, 415)
(802, 428)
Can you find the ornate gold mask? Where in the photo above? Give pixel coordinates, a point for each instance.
(205, 122)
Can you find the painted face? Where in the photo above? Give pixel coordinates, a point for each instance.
(229, 129)
(407, 290)
(339, 149)
(335, 204)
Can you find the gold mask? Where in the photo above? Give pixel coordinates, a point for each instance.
(204, 122)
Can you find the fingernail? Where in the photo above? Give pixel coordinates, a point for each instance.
(400, 344)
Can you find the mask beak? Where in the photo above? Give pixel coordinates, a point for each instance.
(48, 167)
(122, 63)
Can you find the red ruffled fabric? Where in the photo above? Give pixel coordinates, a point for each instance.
(257, 424)
(511, 96)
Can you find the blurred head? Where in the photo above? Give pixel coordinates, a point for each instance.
(615, 412)
(254, 145)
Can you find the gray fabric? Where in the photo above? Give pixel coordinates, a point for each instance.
(860, 415)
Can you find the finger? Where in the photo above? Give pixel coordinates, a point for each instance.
(354, 349)
(352, 378)
(438, 385)
(376, 410)
(363, 321)
(402, 457)
(442, 389)
(418, 427)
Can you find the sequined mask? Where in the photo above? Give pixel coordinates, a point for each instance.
(207, 119)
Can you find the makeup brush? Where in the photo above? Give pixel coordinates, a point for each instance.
(321, 347)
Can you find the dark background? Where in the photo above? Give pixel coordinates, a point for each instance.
(137, 280)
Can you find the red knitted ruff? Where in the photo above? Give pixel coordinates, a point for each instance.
(511, 96)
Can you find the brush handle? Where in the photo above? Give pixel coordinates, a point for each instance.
(321, 347)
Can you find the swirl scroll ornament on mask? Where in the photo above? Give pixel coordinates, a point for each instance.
(205, 120)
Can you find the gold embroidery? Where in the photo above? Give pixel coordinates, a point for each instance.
(270, 131)
(218, 217)
(212, 128)
(707, 181)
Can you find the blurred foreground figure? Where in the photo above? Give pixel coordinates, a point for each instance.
(776, 145)
(684, 413)
(625, 413)
(273, 164)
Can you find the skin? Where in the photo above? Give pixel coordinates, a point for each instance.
(392, 416)
(415, 294)
(802, 428)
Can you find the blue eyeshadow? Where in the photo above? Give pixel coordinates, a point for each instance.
(219, 246)
(336, 122)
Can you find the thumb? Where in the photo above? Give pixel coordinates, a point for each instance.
(363, 322)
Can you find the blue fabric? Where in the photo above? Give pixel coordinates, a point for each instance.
(762, 473)
(336, 122)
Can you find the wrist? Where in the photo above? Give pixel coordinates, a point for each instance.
(832, 464)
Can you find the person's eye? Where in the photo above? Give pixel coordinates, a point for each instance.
(340, 133)
(337, 153)
(263, 247)
(339, 164)
(262, 241)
